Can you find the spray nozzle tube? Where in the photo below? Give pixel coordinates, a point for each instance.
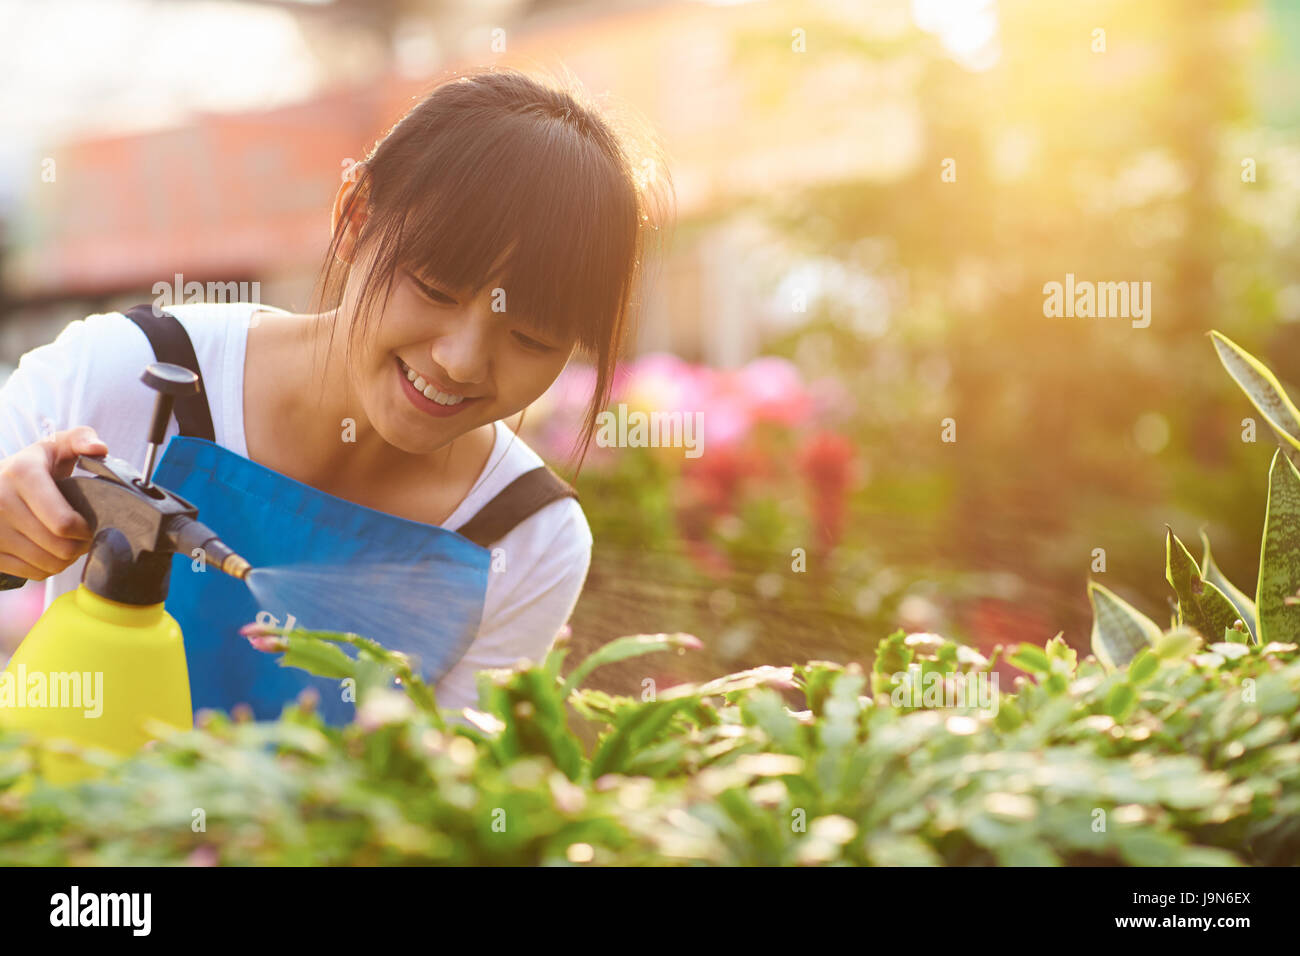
(188, 536)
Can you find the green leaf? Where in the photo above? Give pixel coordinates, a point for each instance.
(1058, 650)
(1279, 558)
(1200, 604)
(761, 676)
(1120, 702)
(1030, 658)
(1262, 388)
(635, 730)
(317, 657)
(1143, 667)
(1234, 636)
(1177, 643)
(1119, 630)
(816, 678)
(1009, 716)
(1210, 572)
(766, 709)
(892, 654)
(624, 648)
(544, 728)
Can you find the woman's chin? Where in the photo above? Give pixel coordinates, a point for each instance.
(422, 434)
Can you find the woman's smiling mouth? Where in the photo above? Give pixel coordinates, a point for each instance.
(426, 397)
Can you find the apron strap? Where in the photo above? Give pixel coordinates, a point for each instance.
(527, 494)
(172, 344)
(520, 499)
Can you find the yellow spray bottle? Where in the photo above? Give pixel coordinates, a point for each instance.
(104, 667)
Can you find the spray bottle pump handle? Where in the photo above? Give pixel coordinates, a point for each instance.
(169, 381)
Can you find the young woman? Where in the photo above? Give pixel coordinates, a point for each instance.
(497, 228)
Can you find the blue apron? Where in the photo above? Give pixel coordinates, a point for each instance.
(271, 519)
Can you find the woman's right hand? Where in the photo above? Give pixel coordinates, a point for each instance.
(40, 533)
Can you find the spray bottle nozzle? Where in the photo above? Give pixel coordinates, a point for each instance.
(138, 525)
(188, 536)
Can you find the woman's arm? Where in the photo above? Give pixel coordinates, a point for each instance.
(38, 399)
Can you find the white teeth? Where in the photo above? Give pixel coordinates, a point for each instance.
(442, 398)
(431, 393)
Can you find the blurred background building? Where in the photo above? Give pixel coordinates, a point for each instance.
(207, 139)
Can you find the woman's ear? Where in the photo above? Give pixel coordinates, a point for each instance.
(356, 217)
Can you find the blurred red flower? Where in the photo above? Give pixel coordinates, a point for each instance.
(716, 478)
(828, 462)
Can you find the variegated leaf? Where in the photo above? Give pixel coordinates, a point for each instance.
(1210, 572)
(1119, 630)
(1262, 388)
(1279, 558)
(1200, 604)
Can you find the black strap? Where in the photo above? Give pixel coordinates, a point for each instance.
(523, 497)
(527, 494)
(171, 343)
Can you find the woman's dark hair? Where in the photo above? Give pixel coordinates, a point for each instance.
(496, 168)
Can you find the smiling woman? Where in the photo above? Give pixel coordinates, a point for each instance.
(497, 227)
(511, 211)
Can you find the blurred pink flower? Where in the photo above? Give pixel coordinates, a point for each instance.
(262, 639)
(774, 390)
(731, 401)
(727, 420)
(205, 855)
(553, 422)
(663, 382)
(19, 610)
(572, 390)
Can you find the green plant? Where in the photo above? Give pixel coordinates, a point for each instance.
(1208, 603)
(1175, 746)
(1168, 762)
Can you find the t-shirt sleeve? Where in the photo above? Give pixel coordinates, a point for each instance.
(89, 375)
(40, 395)
(546, 561)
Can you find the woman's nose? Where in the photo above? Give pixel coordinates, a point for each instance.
(462, 353)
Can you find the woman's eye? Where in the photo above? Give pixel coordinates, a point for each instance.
(430, 292)
(530, 343)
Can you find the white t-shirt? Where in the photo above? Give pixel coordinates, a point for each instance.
(90, 375)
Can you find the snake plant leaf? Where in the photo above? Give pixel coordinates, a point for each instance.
(1119, 630)
(1262, 388)
(1211, 573)
(1279, 555)
(1200, 604)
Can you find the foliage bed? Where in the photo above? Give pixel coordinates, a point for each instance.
(1189, 756)
(1165, 746)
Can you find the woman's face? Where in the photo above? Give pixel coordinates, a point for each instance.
(436, 364)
